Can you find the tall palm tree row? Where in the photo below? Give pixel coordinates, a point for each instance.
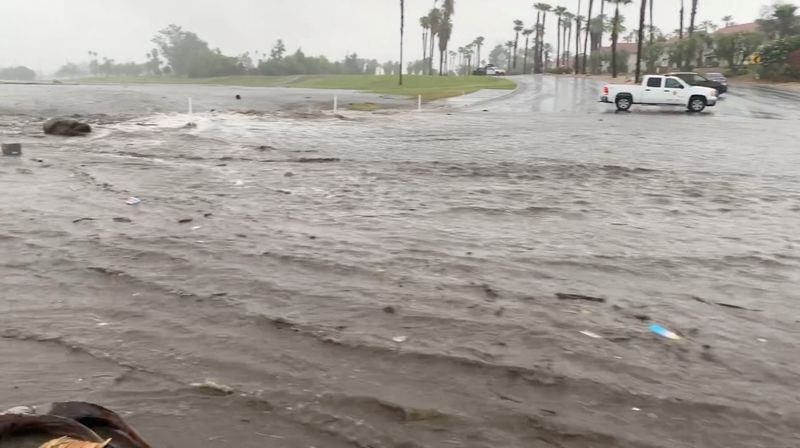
(586, 37)
(578, 21)
(543, 8)
(559, 12)
(615, 29)
(435, 20)
(425, 23)
(527, 33)
(448, 10)
(510, 46)
(478, 43)
(568, 18)
(518, 27)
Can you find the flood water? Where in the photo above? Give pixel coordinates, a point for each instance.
(399, 280)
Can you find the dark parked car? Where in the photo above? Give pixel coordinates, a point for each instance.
(695, 79)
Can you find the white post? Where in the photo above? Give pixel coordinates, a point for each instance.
(419, 103)
(335, 104)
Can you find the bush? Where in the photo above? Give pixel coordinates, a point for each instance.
(781, 60)
(17, 73)
(564, 70)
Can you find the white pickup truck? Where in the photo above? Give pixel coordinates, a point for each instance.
(659, 91)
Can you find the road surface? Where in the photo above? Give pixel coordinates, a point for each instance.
(452, 278)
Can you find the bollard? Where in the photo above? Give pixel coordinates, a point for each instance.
(12, 149)
(335, 104)
(419, 103)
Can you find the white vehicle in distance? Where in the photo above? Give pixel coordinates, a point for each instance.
(659, 91)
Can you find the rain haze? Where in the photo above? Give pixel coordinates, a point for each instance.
(218, 240)
(46, 34)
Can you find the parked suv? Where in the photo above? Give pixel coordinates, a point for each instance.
(695, 79)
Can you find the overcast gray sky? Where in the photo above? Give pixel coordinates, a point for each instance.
(43, 34)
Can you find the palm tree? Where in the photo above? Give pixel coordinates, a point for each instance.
(448, 10)
(536, 40)
(728, 21)
(642, 14)
(709, 26)
(435, 20)
(568, 18)
(578, 20)
(445, 31)
(425, 23)
(527, 33)
(559, 12)
(603, 15)
(543, 8)
(510, 46)
(586, 37)
(402, 32)
(518, 27)
(615, 34)
(693, 17)
(680, 30)
(478, 44)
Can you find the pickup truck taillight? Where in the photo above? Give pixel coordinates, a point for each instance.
(605, 90)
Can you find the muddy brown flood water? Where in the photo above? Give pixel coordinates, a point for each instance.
(394, 280)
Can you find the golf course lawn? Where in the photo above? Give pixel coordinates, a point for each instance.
(430, 87)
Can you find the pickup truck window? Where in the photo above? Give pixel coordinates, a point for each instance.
(654, 82)
(673, 84)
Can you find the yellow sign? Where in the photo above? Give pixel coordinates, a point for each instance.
(756, 58)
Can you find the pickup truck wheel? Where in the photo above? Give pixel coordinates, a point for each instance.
(697, 104)
(624, 103)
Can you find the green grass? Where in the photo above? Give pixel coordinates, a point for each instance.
(430, 87)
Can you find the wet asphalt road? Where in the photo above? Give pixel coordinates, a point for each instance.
(398, 280)
(554, 94)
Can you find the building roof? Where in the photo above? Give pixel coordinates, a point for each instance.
(743, 28)
(631, 48)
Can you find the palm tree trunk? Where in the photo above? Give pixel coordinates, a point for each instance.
(525, 57)
(568, 33)
(516, 43)
(402, 32)
(541, 46)
(603, 23)
(432, 42)
(614, 38)
(558, 43)
(578, 36)
(694, 16)
(652, 30)
(586, 38)
(536, 43)
(424, 45)
(642, 15)
(682, 14)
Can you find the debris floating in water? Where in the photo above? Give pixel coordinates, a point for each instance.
(664, 333)
(400, 339)
(213, 386)
(591, 334)
(133, 200)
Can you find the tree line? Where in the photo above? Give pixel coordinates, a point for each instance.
(182, 53)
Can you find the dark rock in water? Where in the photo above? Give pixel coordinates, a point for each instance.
(66, 127)
(238, 97)
(185, 220)
(122, 219)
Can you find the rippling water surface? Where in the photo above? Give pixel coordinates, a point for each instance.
(316, 242)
